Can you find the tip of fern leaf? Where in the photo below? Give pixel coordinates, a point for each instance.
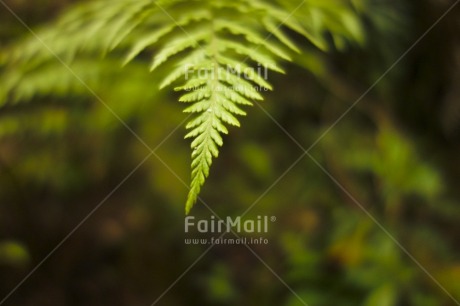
(154, 66)
(187, 209)
(317, 42)
(126, 62)
(191, 201)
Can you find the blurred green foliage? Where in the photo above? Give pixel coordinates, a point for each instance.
(62, 152)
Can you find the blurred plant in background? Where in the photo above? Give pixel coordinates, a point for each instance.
(348, 241)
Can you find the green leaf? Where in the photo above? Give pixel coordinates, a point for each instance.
(216, 53)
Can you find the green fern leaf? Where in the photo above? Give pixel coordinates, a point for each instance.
(220, 51)
(217, 77)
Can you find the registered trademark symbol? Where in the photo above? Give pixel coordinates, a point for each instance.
(272, 218)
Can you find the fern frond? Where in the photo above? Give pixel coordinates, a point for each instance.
(222, 51)
(218, 81)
